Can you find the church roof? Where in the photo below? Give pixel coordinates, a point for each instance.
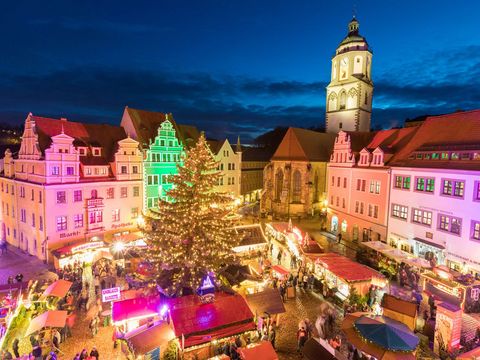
(97, 135)
(456, 130)
(305, 145)
(146, 125)
(354, 36)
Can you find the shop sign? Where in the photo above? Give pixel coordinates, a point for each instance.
(70, 234)
(87, 246)
(111, 294)
(116, 226)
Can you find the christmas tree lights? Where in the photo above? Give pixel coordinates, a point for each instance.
(193, 234)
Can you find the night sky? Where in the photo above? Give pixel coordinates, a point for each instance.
(231, 67)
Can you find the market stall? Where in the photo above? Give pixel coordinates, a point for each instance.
(150, 340)
(204, 327)
(49, 319)
(79, 252)
(58, 289)
(267, 303)
(285, 240)
(262, 350)
(252, 240)
(458, 289)
(341, 274)
(130, 314)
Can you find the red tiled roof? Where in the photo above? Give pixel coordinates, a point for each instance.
(191, 318)
(347, 269)
(305, 145)
(444, 130)
(103, 135)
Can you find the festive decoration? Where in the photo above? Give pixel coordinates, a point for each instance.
(193, 234)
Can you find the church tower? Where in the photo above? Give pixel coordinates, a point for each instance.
(349, 94)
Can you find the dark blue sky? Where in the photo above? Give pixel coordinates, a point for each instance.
(231, 67)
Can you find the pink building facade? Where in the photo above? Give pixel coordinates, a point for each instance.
(435, 192)
(70, 184)
(359, 183)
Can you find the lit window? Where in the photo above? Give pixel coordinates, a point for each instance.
(70, 170)
(61, 223)
(453, 188)
(399, 211)
(476, 230)
(135, 169)
(115, 215)
(77, 195)
(78, 220)
(422, 217)
(134, 212)
(123, 192)
(55, 170)
(61, 197)
(123, 169)
(449, 223)
(136, 191)
(110, 193)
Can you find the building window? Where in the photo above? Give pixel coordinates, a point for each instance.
(94, 194)
(70, 170)
(96, 217)
(78, 220)
(361, 207)
(345, 182)
(136, 191)
(297, 187)
(377, 187)
(40, 196)
(61, 223)
(399, 211)
(23, 215)
(372, 186)
(449, 223)
(357, 205)
(22, 192)
(123, 192)
(375, 211)
(425, 184)
(453, 188)
(61, 197)
(96, 152)
(135, 169)
(134, 212)
(32, 195)
(123, 169)
(77, 195)
(115, 215)
(338, 201)
(402, 182)
(422, 217)
(333, 180)
(40, 223)
(476, 230)
(338, 181)
(110, 193)
(55, 170)
(343, 203)
(278, 184)
(33, 220)
(370, 210)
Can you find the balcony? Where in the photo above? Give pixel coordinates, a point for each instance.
(95, 203)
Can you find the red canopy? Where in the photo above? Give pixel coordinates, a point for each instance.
(263, 350)
(280, 270)
(137, 308)
(347, 269)
(49, 319)
(59, 288)
(199, 323)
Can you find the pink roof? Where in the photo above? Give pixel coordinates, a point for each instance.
(137, 308)
(347, 269)
(191, 317)
(59, 288)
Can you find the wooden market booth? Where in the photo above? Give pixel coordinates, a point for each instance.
(341, 273)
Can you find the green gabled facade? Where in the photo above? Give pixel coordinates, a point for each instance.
(161, 159)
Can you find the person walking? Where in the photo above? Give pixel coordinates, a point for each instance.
(301, 339)
(94, 353)
(15, 348)
(272, 334)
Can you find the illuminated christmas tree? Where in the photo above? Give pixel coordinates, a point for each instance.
(192, 235)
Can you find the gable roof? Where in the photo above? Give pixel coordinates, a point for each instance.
(146, 125)
(456, 130)
(215, 145)
(305, 145)
(85, 134)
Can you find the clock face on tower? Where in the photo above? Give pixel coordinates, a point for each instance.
(343, 68)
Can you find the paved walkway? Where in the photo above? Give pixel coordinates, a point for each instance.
(16, 261)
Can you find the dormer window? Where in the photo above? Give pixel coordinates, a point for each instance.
(82, 151)
(96, 152)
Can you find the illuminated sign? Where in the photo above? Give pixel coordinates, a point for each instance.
(87, 246)
(70, 234)
(111, 294)
(116, 226)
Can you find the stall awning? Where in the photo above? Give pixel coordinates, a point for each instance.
(151, 338)
(267, 301)
(346, 269)
(279, 269)
(58, 289)
(200, 322)
(49, 319)
(263, 350)
(137, 308)
(430, 243)
(77, 247)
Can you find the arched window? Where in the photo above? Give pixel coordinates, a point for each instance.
(343, 100)
(297, 187)
(278, 184)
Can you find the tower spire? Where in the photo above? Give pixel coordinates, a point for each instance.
(239, 145)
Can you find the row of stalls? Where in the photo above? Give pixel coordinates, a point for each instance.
(443, 283)
(292, 248)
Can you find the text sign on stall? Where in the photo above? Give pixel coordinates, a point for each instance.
(111, 294)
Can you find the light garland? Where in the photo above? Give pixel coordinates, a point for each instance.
(193, 234)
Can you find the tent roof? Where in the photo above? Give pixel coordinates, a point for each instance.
(50, 319)
(191, 317)
(263, 350)
(59, 288)
(140, 307)
(398, 305)
(266, 301)
(151, 338)
(347, 269)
